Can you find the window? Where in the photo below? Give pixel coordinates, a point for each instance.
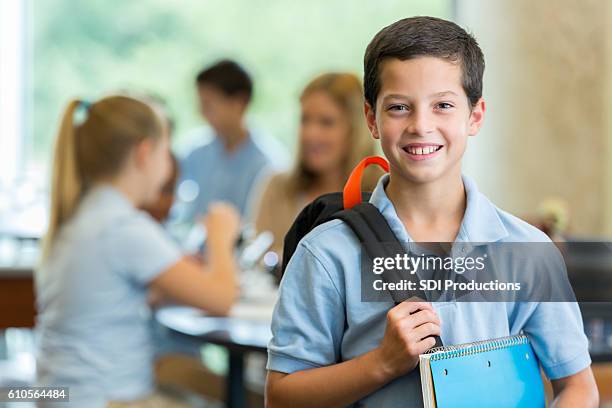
(86, 49)
(55, 50)
(12, 28)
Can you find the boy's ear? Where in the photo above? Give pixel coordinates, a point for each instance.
(370, 115)
(477, 117)
(240, 103)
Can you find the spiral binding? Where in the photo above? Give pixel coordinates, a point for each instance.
(460, 350)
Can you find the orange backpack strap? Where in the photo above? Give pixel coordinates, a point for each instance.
(351, 194)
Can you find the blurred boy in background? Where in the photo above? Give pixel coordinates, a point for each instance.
(232, 157)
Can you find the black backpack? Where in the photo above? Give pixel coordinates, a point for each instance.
(352, 207)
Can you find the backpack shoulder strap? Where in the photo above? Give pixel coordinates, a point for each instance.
(377, 239)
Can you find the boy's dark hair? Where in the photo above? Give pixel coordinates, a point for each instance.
(419, 37)
(228, 77)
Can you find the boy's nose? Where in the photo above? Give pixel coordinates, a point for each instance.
(420, 124)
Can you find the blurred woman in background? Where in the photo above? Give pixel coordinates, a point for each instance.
(333, 138)
(101, 254)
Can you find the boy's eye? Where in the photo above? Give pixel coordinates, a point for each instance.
(398, 108)
(444, 105)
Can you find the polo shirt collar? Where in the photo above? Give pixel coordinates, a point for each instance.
(480, 224)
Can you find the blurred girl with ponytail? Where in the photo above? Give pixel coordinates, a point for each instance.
(101, 254)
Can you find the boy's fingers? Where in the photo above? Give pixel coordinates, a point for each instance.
(425, 330)
(420, 317)
(408, 307)
(424, 345)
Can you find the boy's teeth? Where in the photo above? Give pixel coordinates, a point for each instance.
(422, 150)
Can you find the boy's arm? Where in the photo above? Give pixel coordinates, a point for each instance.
(557, 335)
(410, 326)
(338, 385)
(578, 390)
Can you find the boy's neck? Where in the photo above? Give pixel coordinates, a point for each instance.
(233, 138)
(431, 212)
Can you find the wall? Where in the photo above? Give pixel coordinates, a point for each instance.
(548, 87)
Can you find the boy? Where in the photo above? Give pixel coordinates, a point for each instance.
(228, 165)
(423, 91)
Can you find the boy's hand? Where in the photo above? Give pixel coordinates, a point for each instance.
(410, 329)
(222, 224)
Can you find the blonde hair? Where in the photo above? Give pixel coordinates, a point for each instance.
(346, 91)
(94, 149)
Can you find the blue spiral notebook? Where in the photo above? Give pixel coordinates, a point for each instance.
(501, 372)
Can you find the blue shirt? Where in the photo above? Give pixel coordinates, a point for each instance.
(320, 319)
(94, 323)
(218, 175)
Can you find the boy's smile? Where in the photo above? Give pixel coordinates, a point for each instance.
(423, 117)
(421, 151)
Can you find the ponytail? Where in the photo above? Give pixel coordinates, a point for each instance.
(66, 182)
(95, 149)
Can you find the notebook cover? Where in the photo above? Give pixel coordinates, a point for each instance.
(503, 377)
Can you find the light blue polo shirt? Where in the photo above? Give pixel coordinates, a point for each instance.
(93, 327)
(320, 319)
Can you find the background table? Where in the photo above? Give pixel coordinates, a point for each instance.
(246, 330)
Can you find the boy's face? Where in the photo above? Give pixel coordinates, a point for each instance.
(423, 118)
(221, 111)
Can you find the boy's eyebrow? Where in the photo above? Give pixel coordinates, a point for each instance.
(395, 96)
(434, 95)
(444, 93)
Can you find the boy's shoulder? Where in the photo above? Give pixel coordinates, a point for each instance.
(486, 222)
(330, 240)
(330, 248)
(333, 229)
(518, 230)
